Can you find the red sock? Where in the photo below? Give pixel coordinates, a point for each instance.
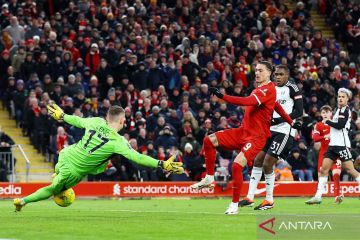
(210, 156)
(336, 178)
(237, 177)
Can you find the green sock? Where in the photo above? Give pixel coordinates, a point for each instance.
(41, 194)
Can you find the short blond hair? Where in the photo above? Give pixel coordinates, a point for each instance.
(346, 91)
(115, 112)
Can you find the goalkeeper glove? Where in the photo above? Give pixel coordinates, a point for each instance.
(55, 111)
(171, 166)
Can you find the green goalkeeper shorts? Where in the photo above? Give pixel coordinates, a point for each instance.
(65, 178)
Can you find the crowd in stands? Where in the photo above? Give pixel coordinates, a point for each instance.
(157, 60)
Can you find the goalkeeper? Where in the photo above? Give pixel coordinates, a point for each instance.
(91, 154)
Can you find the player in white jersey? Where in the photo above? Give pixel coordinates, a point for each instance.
(280, 143)
(339, 146)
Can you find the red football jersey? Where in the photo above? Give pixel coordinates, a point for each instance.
(318, 135)
(257, 119)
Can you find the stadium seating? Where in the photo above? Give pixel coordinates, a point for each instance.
(157, 60)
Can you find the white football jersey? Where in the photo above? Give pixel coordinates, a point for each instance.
(286, 96)
(340, 137)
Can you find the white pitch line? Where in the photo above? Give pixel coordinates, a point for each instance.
(269, 213)
(138, 211)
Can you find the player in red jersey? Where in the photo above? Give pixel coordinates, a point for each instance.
(250, 137)
(321, 134)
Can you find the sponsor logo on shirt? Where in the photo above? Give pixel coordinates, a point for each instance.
(263, 91)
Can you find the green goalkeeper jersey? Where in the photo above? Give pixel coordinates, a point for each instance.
(92, 153)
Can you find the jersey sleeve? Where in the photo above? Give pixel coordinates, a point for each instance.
(296, 95)
(241, 101)
(263, 95)
(316, 133)
(295, 92)
(344, 115)
(76, 121)
(81, 122)
(123, 148)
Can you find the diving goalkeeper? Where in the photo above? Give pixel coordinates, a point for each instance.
(91, 154)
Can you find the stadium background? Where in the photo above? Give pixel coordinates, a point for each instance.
(157, 60)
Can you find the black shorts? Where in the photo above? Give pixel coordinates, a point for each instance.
(279, 145)
(335, 152)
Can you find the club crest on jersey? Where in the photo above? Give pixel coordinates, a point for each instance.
(263, 91)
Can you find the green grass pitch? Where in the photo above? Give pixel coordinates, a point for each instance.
(149, 219)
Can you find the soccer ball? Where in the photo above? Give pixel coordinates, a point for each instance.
(65, 198)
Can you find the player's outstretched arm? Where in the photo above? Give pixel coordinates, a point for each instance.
(342, 120)
(338, 125)
(76, 121)
(279, 109)
(240, 101)
(123, 148)
(315, 135)
(58, 114)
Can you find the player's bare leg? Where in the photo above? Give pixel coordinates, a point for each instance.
(237, 176)
(268, 167)
(256, 174)
(349, 167)
(210, 143)
(357, 163)
(337, 191)
(324, 172)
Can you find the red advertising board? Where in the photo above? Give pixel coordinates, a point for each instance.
(174, 189)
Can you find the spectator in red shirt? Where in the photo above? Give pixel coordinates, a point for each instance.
(74, 51)
(93, 58)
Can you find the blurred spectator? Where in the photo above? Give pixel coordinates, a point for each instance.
(151, 120)
(77, 133)
(313, 156)
(300, 166)
(166, 138)
(3, 171)
(5, 155)
(42, 130)
(174, 120)
(159, 59)
(92, 59)
(189, 139)
(193, 163)
(283, 171)
(59, 141)
(15, 30)
(5, 63)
